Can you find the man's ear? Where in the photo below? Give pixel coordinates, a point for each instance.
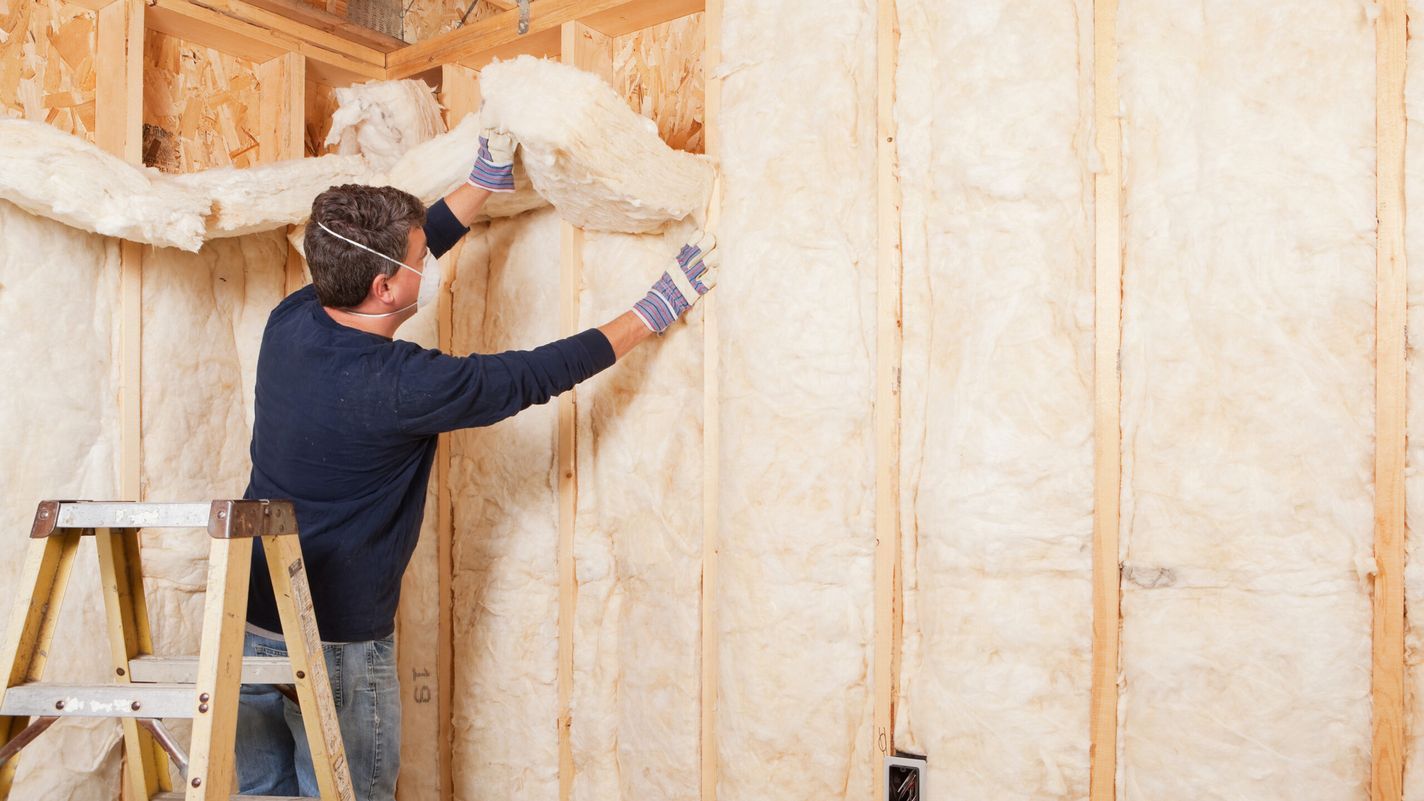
(381, 289)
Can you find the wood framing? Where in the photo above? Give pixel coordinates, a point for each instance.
(476, 44)
(282, 83)
(889, 340)
(331, 21)
(1107, 405)
(587, 49)
(711, 419)
(118, 129)
(1387, 767)
(240, 29)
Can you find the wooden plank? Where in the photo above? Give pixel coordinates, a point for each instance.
(303, 641)
(889, 340)
(1107, 405)
(41, 584)
(711, 418)
(126, 613)
(211, 761)
(331, 22)
(1387, 766)
(472, 44)
(239, 29)
(282, 83)
(587, 49)
(118, 129)
(460, 95)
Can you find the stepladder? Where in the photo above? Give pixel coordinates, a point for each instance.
(146, 689)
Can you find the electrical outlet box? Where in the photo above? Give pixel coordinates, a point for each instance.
(903, 778)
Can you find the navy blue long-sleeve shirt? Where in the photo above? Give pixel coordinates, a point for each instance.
(345, 427)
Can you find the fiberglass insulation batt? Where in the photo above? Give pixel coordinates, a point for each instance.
(1247, 369)
(796, 314)
(59, 297)
(506, 528)
(638, 542)
(994, 110)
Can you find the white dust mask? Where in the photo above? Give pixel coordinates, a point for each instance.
(429, 277)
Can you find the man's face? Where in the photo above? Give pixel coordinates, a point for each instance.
(405, 285)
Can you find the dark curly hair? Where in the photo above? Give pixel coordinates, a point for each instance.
(379, 217)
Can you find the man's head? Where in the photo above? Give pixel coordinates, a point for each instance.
(381, 218)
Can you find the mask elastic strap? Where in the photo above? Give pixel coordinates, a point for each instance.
(368, 250)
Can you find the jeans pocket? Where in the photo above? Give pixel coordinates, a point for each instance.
(334, 654)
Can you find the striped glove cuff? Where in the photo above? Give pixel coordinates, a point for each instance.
(494, 167)
(681, 286)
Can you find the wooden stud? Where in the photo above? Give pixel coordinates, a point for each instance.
(303, 641)
(460, 95)
(126, 611)
(211, 766)
(589, 50)
(118, 129)
(1387, 768)
(42, 580)
(1107, 405)
(888, 344)
(239, 29)
(474, 44)
(282, 88)
(711, 418)
(330, 22)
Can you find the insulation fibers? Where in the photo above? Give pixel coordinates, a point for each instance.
(1414, 476)
(381, 120)
(638, 542)
(58, 294)
(1247, 370)
(596, 160)
(796, 314)
(994, 110)
(53, 174)
(505, 546)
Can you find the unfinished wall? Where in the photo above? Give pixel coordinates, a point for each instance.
(994, 113)
(659, 71)
(200, 107)
(1248, 416)
(58, 301)
(47, 70)
(506, 528)
(796, 455)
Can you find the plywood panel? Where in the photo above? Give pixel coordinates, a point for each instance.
(200, 107)
(47, 66)
(659, 71)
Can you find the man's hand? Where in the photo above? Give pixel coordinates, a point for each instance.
(494, 167)
(681, 286)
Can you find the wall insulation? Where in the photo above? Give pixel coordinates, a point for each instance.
(796, 452)
(638, 542)
(505, 546)
(1247, 369)
(997, 451)
(58, 301)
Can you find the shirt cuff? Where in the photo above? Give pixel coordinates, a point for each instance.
(599, 349)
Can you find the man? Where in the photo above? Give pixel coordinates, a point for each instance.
(345, 426)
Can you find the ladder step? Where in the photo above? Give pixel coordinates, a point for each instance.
(100, 700)
(184, 669)
(180, 797)
(119, 514)
(172, 796)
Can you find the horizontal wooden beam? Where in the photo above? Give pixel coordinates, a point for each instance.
(240, 29)
(330, 22)
(498, 36)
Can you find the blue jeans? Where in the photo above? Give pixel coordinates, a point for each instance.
(272, 753)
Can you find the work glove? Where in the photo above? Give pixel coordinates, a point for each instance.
(684, 282)
(494, 167)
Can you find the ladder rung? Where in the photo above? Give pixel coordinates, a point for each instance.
(180, 797)
(100, 700)
(184, 669)
(105, 514)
